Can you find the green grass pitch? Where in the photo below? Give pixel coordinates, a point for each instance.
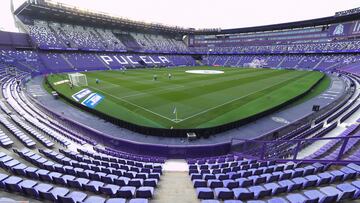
(200, 100)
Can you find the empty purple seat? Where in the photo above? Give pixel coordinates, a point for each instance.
(342, 195)
(357, 185)
(199, 183)
(94, 199)
(243, 194)
(53, 194)
(145, 192)
(277, 200)
(296, 198)
(109, 189)
(260, 191)
(348, 173)
(78, 182)
(11, 183)
(204, 193)
(230, 183)
(244, 182)
(337, 175)
(127, 192)
(215, 183)
(151, 182)
(26, 184)
(93, 186)
(325, 178)
(210, 201)
(116, 200)
(223, 193)
(275, 188)
(317, 196)
(290, 185)
(72, 197)
(139, 200)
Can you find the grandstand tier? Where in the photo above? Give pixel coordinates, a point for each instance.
(55, 151)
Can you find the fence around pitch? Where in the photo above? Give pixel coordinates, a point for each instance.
(339, 150)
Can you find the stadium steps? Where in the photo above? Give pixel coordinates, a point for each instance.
(175, 187)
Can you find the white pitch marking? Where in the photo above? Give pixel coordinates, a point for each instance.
(156, 90)
(206, 110)
(135, 105)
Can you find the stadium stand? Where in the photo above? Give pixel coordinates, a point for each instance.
(45, 156)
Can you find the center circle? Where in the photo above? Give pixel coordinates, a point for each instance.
(205, 72)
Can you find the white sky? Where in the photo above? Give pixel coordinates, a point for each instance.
(204, 13)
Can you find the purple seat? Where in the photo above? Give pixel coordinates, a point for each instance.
(320, 197)
(204, 193)
(78, 182)
(126, 192)
(223, 193)
(357, 186)
(215, 183)
(72, 197)
(277, 200)
(260, 191)
(26, 184)
(244, 182)
(275, 188)
(151, 182)
(136, 182)
(290, 185)
(145, 192)
(296, 198)
(233, 201)
(243, 194)
(210, 201)
(93, 186)
(11, 183)
(116, 200)
(94, 199)
(109, 189)
(325, 178)
(53, 194)
(342, 195)
(337, 175)
(199, 183)
(229, 183)
(139, 200)
(348, 173)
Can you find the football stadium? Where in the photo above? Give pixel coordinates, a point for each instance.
(97, 108)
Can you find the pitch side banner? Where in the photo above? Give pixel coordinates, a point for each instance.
(92, 100)
(81, 94)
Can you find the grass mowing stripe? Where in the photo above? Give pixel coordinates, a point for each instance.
(243, 98)
(144, 97)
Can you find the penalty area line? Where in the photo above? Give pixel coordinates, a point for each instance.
(145, 109)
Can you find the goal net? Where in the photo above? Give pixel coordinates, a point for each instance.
(78, 79)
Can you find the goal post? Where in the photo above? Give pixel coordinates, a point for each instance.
(78, 79)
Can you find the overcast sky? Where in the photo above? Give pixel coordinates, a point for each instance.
(204, 13)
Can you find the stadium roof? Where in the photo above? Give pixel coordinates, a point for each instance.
(60, 12)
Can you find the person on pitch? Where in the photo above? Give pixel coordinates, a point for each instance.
(97, 81)
(155, 77)
(169, 76)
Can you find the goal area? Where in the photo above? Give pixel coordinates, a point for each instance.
(78, 79)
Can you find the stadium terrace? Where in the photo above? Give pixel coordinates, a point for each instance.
(101, 109)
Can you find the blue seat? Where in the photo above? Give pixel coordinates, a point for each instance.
(260, 191)
(243, 194)
(277, 200)
(223, 193)
(204, 193)
(116, 200)
(72, 197)
(296, 198)
(342, 195)
(276, 188)
(109, 189)
(53, 193)
(145, 192)
(94, 199)
(319, 196)
(357, 185)
(139, 200)
(290, 185)
(126, 192)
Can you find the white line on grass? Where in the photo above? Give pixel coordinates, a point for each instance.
(152, 91)
(228, 102)
(135, 105)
